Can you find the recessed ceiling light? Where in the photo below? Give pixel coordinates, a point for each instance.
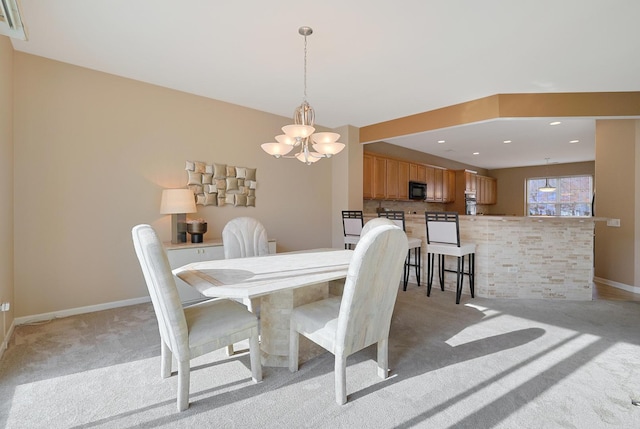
(507, 141)
(574, 141)
(476, 153)
(440, 141)
(555, 123)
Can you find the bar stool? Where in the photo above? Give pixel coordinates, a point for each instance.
(352, 223)
(415, 244)
(443, 239)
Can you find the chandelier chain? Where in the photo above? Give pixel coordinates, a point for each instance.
(305, 68)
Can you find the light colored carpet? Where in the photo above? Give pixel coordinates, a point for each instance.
(481, 364)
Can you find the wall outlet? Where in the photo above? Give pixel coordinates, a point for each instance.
(613, 222)
(5, 306)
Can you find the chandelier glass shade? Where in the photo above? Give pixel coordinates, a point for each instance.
(547, 187)
(310, 146)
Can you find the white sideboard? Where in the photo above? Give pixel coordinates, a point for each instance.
(186, 253)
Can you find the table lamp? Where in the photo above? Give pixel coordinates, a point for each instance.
(177, 203)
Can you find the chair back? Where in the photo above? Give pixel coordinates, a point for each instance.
(243, 237)
(397, 216)
(374, 223)
(162, 289)
(371, 288)
(442, 228)
(352, 222)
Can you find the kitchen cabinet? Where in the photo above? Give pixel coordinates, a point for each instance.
(486, 190)
(403, 180)
(379, 178)
(367, 176)
(391, 180)
(431, 189)
(470, 181)
(186, 253)
(448, 186)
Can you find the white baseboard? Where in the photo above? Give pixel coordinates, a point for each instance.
(79, 310)
(633, 289)
(5, 342)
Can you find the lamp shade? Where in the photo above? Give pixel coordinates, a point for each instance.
(177, 201)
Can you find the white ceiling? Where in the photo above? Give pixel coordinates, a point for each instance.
(368, 60)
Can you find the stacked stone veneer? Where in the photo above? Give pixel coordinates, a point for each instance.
(521, 257)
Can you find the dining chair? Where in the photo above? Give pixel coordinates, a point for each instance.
(352, 223)
(195, 330)
(362, 315)
(374, 223)
(415, 244)
(443, 239)
(243, 237)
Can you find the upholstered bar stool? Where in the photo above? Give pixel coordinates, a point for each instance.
(415, 244)
(443, 239)
(352, 223)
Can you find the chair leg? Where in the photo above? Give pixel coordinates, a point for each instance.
(165, 360)
(294, 339)
(405, 273)
(254, 356)
(183, 385)
(230, 350)
(383, 358)
(340, 369)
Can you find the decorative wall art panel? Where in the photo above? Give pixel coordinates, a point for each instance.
(221, 184)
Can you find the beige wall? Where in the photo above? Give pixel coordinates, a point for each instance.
(93, 152)
(511, 183)
(617, 168)
(6, 182)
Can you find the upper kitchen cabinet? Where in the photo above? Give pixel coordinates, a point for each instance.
(470, 181)
(367, 176)
(486, 190)
(403, 179)
(374, 177)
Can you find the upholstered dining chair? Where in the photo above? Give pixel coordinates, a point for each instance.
(374, 223)
(415, 244)
(443, 239)
(243, 237)
(192, 331)
(352, 223)
(362, 315)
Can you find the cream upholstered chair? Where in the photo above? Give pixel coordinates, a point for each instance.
(189, 332)
(352, 222)
(243, 237)
(374, 223)
(443, 239)
(362, 316)
(415, 244)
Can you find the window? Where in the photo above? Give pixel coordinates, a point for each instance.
(573, 196)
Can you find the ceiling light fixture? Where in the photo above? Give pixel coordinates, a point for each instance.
(555, 123)
(547, 187)
(440, 141)
(476, 153)
(506, 141)
(301, 132)
(574, 141)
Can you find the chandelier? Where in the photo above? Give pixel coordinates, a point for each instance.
(547, 187)
(301, 133)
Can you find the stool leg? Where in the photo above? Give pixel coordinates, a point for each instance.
(459, 279)
(430, 267)
(472, 273)
(441, 271)
(405, 275)
(418, 262)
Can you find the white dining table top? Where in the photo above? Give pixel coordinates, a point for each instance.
(261, 275)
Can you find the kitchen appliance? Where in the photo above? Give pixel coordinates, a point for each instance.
(470, 204)
(417, 191)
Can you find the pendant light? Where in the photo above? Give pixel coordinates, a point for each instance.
(547, 187)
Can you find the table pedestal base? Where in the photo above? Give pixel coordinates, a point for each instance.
(275, 313)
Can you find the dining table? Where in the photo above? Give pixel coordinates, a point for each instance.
(280, 282)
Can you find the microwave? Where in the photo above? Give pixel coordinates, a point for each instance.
(417, 191)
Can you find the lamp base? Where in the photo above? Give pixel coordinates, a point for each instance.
(178, 228)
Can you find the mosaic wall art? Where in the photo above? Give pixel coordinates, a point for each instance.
(222, 184)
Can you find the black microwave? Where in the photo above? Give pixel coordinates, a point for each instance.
(417, 190)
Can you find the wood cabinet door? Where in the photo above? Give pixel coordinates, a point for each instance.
(403, 180)
(392, 179)
(448, 186)
(367, 176)
(438, 185)
(413, 172)
(470, 180)
(431, 183)
(379, 177)
(422, 174)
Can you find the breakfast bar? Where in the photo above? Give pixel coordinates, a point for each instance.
(522, 257)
